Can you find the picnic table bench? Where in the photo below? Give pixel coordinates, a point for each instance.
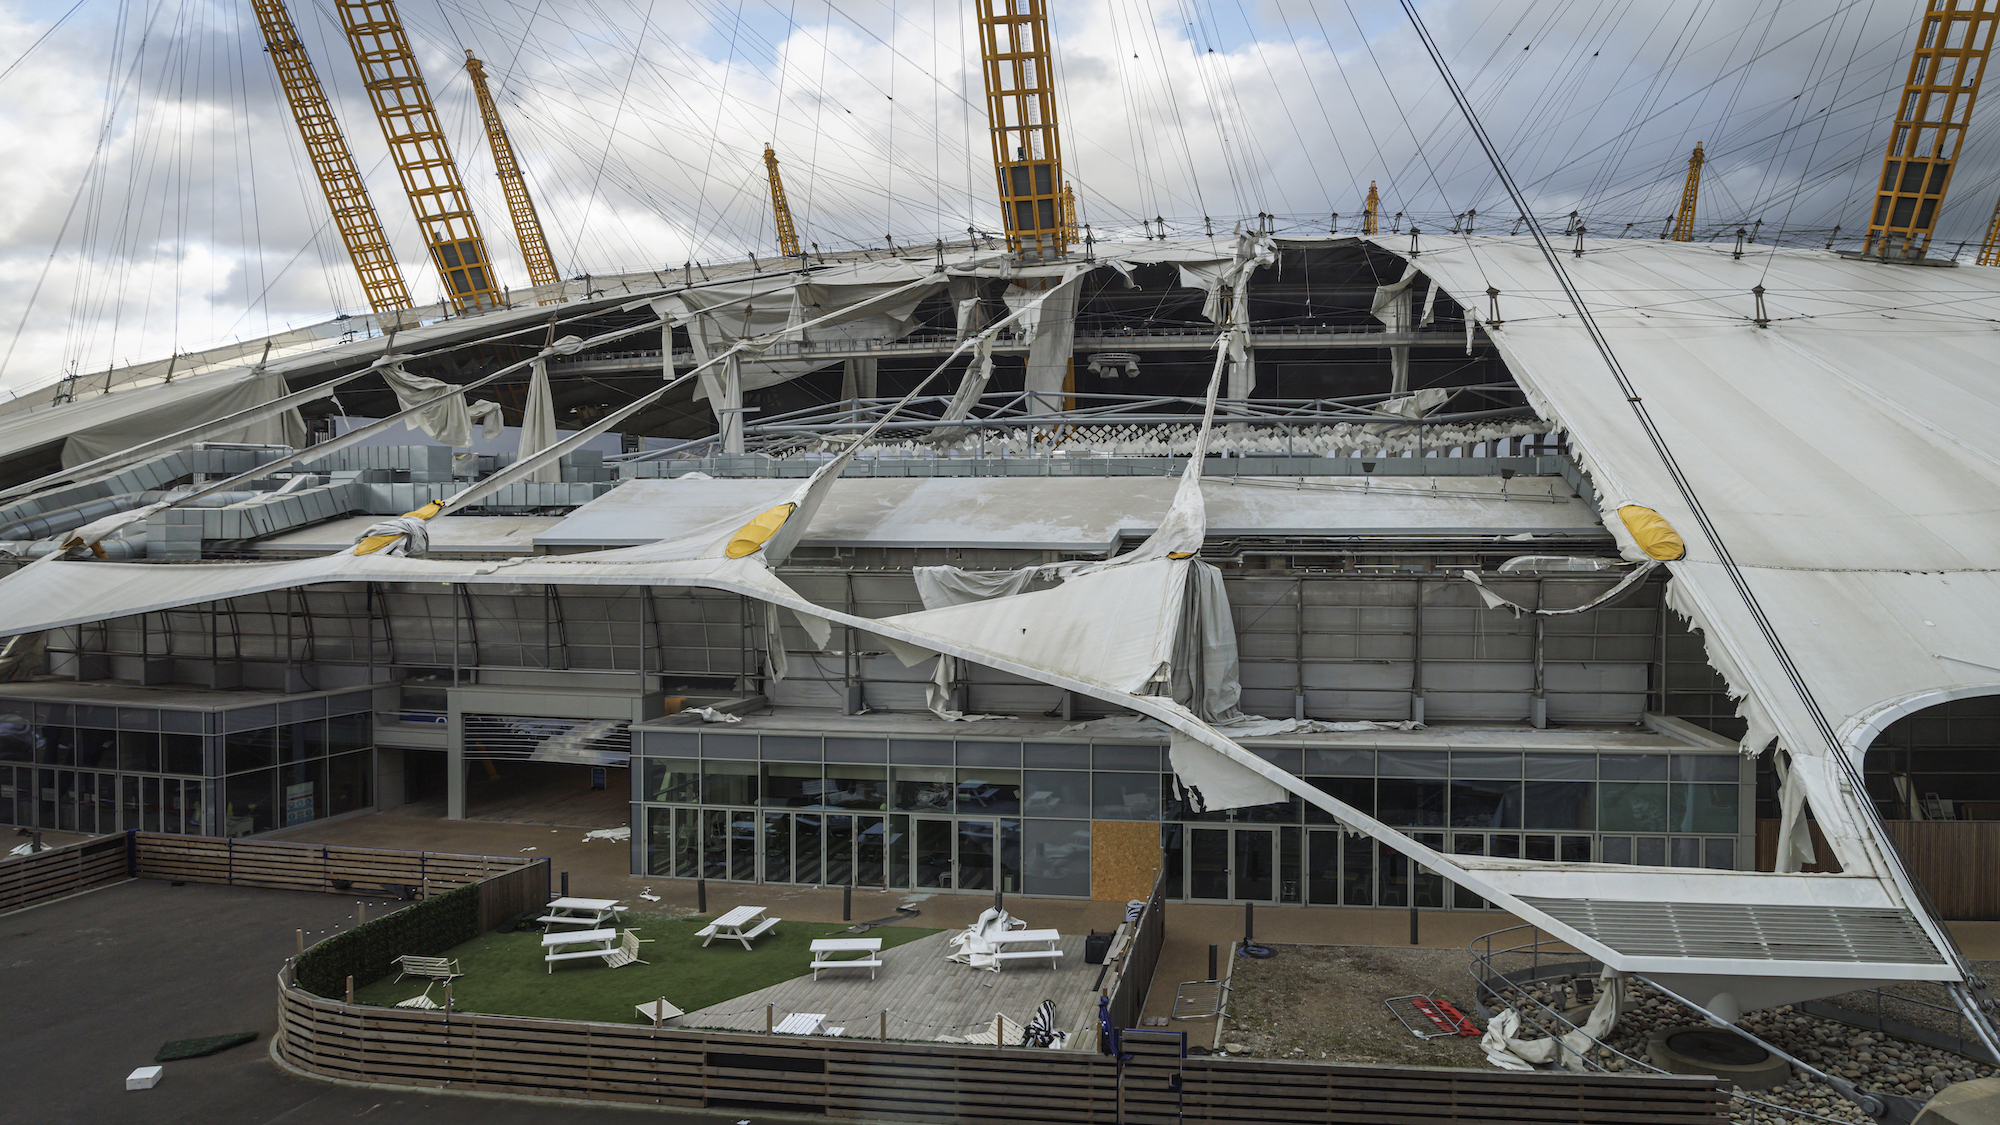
(823, 950)
(730, 926)
(1026, 937)
(590, 913)
(616, 952)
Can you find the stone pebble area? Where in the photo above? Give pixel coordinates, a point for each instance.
(1871, 1060)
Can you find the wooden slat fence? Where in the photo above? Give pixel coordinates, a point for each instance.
(1955, 861)
(281, 865)
(32, 879)
(869, 1079)
(1141, 956)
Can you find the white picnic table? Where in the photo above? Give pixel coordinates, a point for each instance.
(823, 950)
(801, 1023)
(1027, 937)
(731, 926)
(1047, 939)
(553, 944)
(589, 913)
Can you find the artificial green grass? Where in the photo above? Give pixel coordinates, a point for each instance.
(505, 974)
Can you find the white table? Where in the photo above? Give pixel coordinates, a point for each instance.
(801, 1023)
(589, 913)
(1026, 937)
(553, 944)
(731, 926)
(823, 950)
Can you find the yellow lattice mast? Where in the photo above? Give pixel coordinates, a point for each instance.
(423, 158)
(1373, 209)
(1684, 218)
(1021, 116)
(1070, 233)
(527, 225)
(1989, 250)
(781, 210)
(1945, 69)
(346, 195)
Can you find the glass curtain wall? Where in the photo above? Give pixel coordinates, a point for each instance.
(983, 815)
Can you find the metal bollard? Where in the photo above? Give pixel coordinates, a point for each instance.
(565, 884)
(1249, 923)
(1413, 923)
(302, 943)
(350, 990)
(701, 896)
(1211, 962)
(847, 903)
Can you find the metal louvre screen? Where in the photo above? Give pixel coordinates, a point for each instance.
(1747, 931)
(518, 738)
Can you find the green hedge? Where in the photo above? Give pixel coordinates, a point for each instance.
(368, 952)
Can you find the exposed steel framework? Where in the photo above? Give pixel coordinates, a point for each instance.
(1690, 192)
(346, 195)
(1371, 212)
(781, 209)
(1989, 250)
(423, 156)
(1070, 232)
(1021, 114)
(1945, 69)
(521, 205)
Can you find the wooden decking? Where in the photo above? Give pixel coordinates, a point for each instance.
(926, 996)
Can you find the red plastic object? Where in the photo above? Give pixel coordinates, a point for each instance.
(1448, 1018)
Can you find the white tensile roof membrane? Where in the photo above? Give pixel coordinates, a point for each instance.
(1848, 454)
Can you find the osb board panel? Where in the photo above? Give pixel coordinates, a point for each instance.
(1124, 859)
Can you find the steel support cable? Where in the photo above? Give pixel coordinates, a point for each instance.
(1885, 849)
(1824, 117)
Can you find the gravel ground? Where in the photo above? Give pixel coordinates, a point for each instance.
(1325, 1002)
(1872, 1061)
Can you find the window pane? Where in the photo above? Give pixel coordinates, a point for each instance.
(687, 843)
(1255, 867)
(1618, 849)
(1541, 848)
(899, 851)
(192, 808)
(1413, 763)
(1483, 763)
(1486, 804)
(1574, 767)
(251, 750)
(1410, 803)
(923, 788)
(96, 749)
(17, 739)
(839, 850)
(1576, 849)
(350, 782)
(989, 791)
(792, 784)
(312, 738)
(1632, 806)
(1057, 793)
(1632, 767)
(671, 781)
(1208, 863)
(743, 847)
(57, 747)
(252, 803)
(1684, 851)
(1706, 767)
(1125, 796)
(933, 852)
(1357, 871)
(1056, 857)
(975, 855)
(1650, 851)
(714, 843)
(1057, 756)
(1705, 808)
(807, 829)
(777, 847)
(870, 852)
(345, 733)
(1393, 888)
(659, 841)
(181, 754)
(1010, 856)
(1719, 854)
(727, 783)
(856, 787)
(1341, 763)
(1356, 791)
(1560, 804)
(138, 751)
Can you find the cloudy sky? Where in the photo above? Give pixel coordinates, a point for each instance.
(158, 196)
